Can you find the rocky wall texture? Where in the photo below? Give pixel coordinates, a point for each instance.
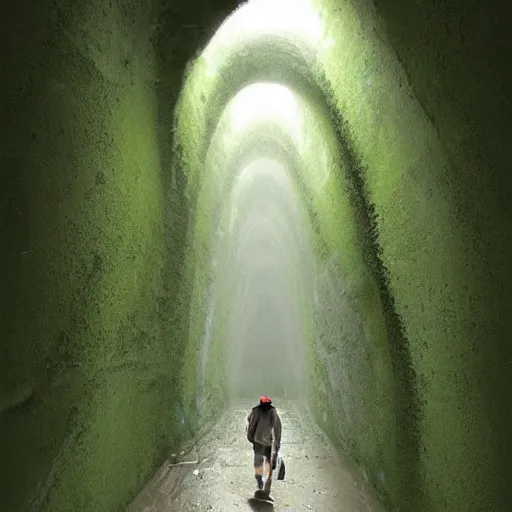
(93, 322)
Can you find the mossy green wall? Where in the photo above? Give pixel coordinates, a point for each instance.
(90, 343)
(436, 193)
(459, 70)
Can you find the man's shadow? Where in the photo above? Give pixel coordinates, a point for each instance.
(256, 504)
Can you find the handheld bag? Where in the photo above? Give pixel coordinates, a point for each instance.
(278, 465)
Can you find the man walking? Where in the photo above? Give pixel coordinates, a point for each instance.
(264, 427)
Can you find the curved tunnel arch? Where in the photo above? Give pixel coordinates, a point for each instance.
(281, 147)
(282, 152)
(310, 75)
(272, 59)
(267, 58)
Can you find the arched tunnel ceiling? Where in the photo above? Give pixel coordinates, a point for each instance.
(260, 143)
(244, 114)
(269, 119)
(278, 50)
(272, 59)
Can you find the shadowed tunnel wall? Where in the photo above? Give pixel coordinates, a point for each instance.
(100, 211)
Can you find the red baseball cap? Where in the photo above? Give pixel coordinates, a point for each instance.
(265, 400)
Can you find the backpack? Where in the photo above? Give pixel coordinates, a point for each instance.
(251, 430)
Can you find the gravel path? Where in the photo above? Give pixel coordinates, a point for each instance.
(222, 480)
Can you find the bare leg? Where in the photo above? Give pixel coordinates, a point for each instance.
(268, 471)
(259, 470)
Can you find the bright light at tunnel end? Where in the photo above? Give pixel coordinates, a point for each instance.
(261, 101)
(294, 19)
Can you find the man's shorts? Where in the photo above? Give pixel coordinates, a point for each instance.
(261, 451)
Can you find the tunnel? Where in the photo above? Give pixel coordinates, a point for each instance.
(208, 201)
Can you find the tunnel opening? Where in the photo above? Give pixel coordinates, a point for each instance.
(288, 63)
(268, 108)
(265, 333)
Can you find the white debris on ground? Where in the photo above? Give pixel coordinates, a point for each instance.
(219, 476)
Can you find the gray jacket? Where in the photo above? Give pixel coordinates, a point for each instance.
(264, 425)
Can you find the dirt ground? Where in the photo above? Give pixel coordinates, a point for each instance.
(316, 478)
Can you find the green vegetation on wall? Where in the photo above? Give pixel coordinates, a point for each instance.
(427, 250)
(91, 349)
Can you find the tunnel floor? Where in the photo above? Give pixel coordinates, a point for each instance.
(317, 479)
